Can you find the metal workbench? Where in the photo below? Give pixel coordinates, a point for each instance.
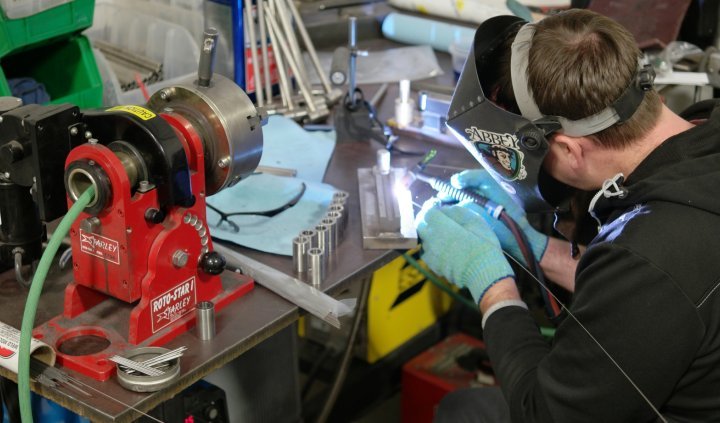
(251, 319)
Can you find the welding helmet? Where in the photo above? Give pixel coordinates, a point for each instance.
(512, 146)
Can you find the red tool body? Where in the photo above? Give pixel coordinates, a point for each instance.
(142, 252)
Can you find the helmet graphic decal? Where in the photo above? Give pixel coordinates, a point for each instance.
(500, 152)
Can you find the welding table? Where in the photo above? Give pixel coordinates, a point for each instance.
(254, 317)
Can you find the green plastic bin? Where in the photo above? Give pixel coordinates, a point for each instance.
(43, 27)
(66, 67)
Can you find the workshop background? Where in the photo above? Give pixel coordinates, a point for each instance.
(412, 337)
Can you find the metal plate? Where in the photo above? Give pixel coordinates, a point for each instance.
(387, 214)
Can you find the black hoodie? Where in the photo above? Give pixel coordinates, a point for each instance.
(646, 301)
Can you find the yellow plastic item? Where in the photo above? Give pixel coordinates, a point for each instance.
(402, 304)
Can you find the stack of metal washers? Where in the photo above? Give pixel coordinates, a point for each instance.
(314, 249)
(279, 21)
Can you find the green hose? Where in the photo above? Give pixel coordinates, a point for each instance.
(437, 282)
(28, 321)
(545, 331)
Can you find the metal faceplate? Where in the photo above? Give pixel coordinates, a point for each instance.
(227, 121)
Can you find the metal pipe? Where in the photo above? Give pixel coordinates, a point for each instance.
(301, 245)
(250, 25)
(264, 51)
(316, 266)
(285, 92)
(289, 34)
(205, 320)
(287, 54)
(339, 220)
(207, 57)
(18, 252)
(309, 46)
(323, 238)
(311, 235)
(352, 28)
(332, 225)
(339, 208)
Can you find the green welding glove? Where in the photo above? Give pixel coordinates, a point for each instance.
(459, 245)
(481, 181)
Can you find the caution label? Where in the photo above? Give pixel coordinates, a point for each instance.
(138, 111)
(100, 246)
(173, 304)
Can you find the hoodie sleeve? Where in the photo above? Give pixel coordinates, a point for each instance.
(633, 335)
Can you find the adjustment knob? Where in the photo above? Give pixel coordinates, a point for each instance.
(212, 263)
(12, 152)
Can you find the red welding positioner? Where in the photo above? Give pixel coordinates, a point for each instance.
(142, 252)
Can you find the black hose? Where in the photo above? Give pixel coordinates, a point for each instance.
(347, 355)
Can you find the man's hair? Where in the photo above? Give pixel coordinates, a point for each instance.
(579, 63)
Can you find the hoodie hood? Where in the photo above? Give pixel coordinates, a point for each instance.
(685, 169)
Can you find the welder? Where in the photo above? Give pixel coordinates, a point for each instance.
(554, 110)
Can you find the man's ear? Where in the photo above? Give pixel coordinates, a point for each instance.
(570, 150)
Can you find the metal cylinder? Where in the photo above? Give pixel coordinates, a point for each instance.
(205, 320)
(301, 245)
(383, 162)
(316, 266)
(339, 208)
(311, 235)
(227, 121)
(341, 197)
(332, 225)
(207, 57)
(323, 238)
(338, 218)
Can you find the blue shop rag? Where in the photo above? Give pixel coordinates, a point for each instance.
(286, 145)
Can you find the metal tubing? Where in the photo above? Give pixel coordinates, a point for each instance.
(352, 29)
(287, 54)
(207, 57)
(340, 197)
(339, 208)
(301, 245)
(250, 25)
(311, 235)
(332, 225)
(205, 320)
(285, 91)
(316, 266)
(264, 51)
(309, 46)
(339, 219)
(289, 34)
(323, 238)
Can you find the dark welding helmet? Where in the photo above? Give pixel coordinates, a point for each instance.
(510, 145)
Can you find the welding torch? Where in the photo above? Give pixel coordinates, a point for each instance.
(495, 210)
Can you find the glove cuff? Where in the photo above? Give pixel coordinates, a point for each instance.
(478, 279)
(539, 243)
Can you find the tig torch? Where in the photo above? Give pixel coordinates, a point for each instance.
(495, 210)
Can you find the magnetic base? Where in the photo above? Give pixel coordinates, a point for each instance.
(109, 321)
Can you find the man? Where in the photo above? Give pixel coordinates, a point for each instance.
(642, 338)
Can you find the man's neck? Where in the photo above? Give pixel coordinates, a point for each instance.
(669, 124)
